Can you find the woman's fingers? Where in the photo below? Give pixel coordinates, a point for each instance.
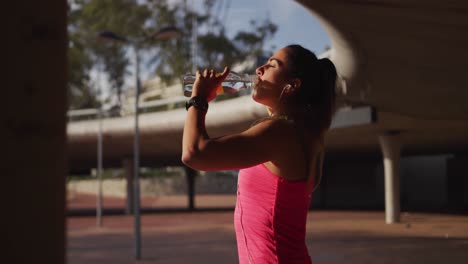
(211, 73)
(225, 73)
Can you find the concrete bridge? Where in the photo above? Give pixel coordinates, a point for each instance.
(354, 130)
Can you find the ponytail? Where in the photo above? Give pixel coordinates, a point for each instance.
(327, 82)
(317, 92)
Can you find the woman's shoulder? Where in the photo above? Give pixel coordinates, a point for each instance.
(274, 125)
(287, 130)
(275, 121)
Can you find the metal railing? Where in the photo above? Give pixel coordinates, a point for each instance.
(144, 107)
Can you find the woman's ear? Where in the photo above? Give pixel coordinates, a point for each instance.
(296, 83)
(293, 86)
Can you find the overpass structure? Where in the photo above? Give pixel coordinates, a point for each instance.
(355, 129)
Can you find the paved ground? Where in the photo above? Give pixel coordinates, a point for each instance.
(208, 237)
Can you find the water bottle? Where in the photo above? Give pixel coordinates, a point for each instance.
(233, 83)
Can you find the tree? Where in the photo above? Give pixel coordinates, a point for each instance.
(253, 42)
(215, 49)
(80, 89)
(137, 20)
(123, 16)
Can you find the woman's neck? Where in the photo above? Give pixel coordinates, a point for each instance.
(276, 112)
(289, 115)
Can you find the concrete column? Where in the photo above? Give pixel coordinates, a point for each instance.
(33, 132)
(457, 183)
(390, 144)
(128, 170)
(190, 174)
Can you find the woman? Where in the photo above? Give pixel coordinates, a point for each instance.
(278, 156)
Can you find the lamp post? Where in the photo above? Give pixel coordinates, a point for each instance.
(99, 170)
(163, 34)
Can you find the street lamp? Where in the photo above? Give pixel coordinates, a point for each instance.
(163, 34)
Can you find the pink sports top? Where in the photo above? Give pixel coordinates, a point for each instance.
(270, 218)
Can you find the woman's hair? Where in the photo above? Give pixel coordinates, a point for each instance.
(315, 98)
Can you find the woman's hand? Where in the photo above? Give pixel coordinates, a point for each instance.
(207, 83)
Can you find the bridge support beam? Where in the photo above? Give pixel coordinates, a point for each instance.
(390, 144)
(128, 170)
(190, 174)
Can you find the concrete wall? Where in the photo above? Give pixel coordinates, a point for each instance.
(436, 183)
(350, 183)
(424, 182)
(427, 183)
(457, 182)
(205, 183)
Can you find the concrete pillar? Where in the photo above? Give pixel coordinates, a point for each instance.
(390, 144)
(190, 174)
(457, 183)
(33, 131)
(129, 172)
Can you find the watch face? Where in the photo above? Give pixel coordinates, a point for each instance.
(198, 103)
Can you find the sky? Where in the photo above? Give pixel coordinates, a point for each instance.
(295, 24)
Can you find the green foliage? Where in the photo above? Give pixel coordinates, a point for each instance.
(253, 42)
(218, 51)
(80, 90)
(145, 173)
(138, 20)
(159, 173)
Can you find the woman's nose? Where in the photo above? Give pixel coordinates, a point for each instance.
(259, 71)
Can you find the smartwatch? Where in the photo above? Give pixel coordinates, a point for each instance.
(198, 102)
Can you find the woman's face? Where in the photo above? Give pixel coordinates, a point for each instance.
(272, 78)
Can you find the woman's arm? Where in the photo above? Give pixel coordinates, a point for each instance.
(253, 146)
(256, 145)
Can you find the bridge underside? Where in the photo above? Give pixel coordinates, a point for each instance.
(161, 135)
